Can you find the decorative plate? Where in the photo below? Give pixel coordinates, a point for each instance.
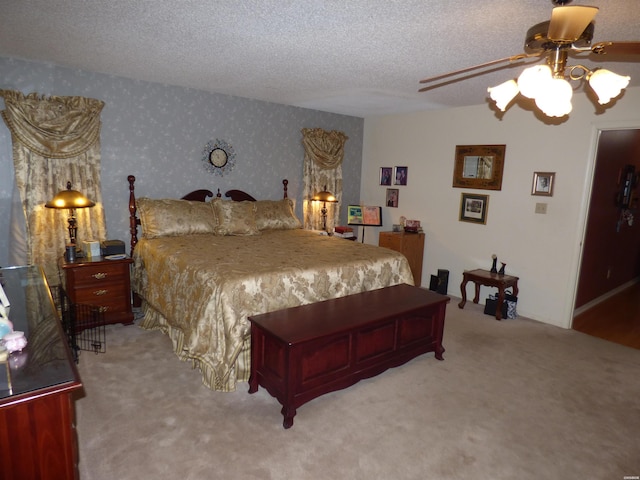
(218, 157)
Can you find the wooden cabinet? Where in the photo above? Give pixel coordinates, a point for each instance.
(37, 432)
(411, 245)
(103, 283)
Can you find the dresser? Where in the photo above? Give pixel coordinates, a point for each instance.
(411, 245)
(103, 283)
(37, 430)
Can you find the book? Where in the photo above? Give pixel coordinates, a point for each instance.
(343, 229)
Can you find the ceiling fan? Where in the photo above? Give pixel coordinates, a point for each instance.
(569, 31)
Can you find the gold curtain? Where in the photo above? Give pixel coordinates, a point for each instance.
(323, 156)
(55, 140)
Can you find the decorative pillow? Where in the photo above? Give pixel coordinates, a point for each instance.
(170, 217)
(276, 215)
(235, 218)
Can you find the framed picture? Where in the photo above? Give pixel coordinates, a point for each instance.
(479, 166)
(400, 177)
(385, 175)
(392, 197)
(473, 208)
(543, 183)
(4, 304)
(364, 215)
(354, 215)
(372, 216)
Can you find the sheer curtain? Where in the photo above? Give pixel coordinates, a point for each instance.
(323, 155)
(55, 140)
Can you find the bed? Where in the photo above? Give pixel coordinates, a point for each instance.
(202, 267)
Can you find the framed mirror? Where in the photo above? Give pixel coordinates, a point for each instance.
(479, 166)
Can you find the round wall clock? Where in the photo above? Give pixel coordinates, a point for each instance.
(218, 157)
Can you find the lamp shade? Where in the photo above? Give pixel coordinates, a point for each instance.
(69, 199)
(607, 84)
(324, 196)
(503, 93)
(555, 100)
(532, 80)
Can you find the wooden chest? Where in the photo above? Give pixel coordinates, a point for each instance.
(300, 353)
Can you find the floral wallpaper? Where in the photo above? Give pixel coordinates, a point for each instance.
(158, 132)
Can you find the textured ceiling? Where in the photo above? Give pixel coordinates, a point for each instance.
(359, 57)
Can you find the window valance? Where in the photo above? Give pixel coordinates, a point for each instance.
(53, 127)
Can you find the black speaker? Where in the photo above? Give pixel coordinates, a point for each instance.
(440, 283)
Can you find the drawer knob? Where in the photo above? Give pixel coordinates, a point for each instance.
(99, 275)
(103, 309)
(100, 292)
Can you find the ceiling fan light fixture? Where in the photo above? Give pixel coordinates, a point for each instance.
(532, 80)
(555, 99)
(606, 84)
(503, 94)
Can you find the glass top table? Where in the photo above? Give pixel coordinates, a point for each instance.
(45, 364)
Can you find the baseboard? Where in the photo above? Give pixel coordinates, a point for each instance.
(604, 297)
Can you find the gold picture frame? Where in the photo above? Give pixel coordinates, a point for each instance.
(543, 183)
(474, 208)
(479, 166)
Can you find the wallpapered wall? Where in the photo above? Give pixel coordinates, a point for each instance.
(157, 133)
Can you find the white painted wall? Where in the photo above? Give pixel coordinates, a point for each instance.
(543, 250)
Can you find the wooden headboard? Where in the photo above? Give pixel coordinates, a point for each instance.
(196, 195)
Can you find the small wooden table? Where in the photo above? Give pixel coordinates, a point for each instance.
(485, 277)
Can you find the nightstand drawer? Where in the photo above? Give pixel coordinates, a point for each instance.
(101, 294)
(100, 274)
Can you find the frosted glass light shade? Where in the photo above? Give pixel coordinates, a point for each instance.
(503, 93)
(555, 100)
(607, 84)
(532, 80)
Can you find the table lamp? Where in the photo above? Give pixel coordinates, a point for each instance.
(70, 199)
(324, 196)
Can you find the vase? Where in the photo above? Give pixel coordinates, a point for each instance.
(493, 267)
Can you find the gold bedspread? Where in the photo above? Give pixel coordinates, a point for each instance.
(200, 289)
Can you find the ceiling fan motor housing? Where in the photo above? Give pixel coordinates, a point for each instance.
(537, 39)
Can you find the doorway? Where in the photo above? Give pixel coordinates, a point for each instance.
(610, 260)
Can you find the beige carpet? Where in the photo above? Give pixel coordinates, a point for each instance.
(512, 400)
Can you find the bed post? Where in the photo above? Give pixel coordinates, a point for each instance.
(133, 220)
(285, 182)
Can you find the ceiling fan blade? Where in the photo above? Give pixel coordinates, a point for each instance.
(568, 22)
(616, 48)
(476, 67)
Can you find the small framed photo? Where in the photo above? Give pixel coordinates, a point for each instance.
(4, 304)
(543, 183)
(392, 197)
(400, 177)
(474, 208)
(385, 175)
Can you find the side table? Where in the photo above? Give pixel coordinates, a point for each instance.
(103, 283)
(487, 278)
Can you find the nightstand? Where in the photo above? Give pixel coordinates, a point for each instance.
(411, 245)
(101, 282)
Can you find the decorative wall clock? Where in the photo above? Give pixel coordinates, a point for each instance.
(218, 157)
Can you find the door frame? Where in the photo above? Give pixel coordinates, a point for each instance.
(597, 128)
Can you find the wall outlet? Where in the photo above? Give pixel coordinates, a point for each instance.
(541, 208)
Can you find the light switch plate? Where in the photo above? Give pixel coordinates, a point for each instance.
(541, 208)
